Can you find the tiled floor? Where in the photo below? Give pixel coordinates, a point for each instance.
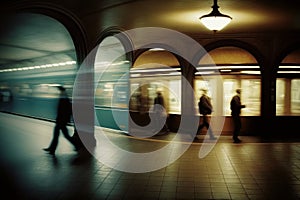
(250, 170)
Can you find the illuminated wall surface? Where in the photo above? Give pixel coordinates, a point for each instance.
(156, 70)
(288, 86)
(288, 96)
(111, 84)
(124, 85)
(238, 69)
(250, 94)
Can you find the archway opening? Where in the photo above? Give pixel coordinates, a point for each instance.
(112, 84)
(288, 85)
(238, 69)
(155, 71)
(37, 53)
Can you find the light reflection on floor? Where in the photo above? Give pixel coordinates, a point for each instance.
(250, 170)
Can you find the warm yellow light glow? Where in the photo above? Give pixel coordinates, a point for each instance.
(204, 72)
(167, 69)
(225, 70)
(229, 67)
(215, 20)
(250, 72)
(215, 23)
(288, 72)
(289, 67)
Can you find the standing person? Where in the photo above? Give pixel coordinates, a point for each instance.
(64, 112)
(236, 106)
(205, 108)
(159, 110)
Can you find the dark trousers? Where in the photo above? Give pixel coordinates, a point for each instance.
(159, 117)
(56, 132)
(205, 123)
(237, 126)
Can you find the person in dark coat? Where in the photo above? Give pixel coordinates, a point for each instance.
(236, 106)
(205, 108)
(160, 112)
(64, 113)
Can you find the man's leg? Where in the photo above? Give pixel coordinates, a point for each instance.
(65, 131)
(206, 124)
(54, 141)
(201, 126)
(237, 127)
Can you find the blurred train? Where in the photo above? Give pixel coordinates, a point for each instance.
(129, 92)
(32, 92)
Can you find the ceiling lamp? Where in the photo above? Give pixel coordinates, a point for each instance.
(215, 20)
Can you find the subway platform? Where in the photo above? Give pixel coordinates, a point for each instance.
(250, 170)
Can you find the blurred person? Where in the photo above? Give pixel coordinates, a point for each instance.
(205, 108)
(64, 113)
(160, 111)
(236, 106)
(140, 103)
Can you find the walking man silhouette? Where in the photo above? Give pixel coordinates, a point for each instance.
(160, 113)
(64, 113)
(205, 108)
(236, 106)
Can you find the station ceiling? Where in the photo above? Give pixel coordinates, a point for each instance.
(36, 39)
(183, 15)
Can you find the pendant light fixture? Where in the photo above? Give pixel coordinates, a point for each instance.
(215, 20)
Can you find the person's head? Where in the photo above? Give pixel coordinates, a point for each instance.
(204, 90)
(61, 88)
(238, 91)
(158, 93)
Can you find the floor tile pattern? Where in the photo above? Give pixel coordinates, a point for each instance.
(249, 170)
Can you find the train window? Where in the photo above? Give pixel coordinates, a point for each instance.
(155, 70)
(207, 84)
(250, 94)
(111, 97)
(288, 85)
(238, 69)
(31, 79)
(5, 95)
(143, 92)
(111, 75)
(287, 96)
(229, 86)
(295, 96)
(175, 96)
(280, 96)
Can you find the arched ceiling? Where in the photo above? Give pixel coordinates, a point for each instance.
(248, 16)
(292, 58)
(28, 40)
(228, 55)
(34, 39)
(154, 58)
